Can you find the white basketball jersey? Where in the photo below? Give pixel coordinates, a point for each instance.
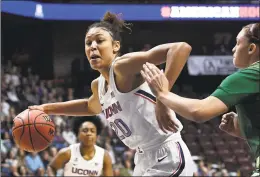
(132, 115)
(78, 166)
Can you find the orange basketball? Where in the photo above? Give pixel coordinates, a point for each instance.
(33, 130)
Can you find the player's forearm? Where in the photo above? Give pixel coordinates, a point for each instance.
(185, 107)
(69, 108)
(175, 61)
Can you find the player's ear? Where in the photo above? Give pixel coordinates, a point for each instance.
(251, 48)
(116, 46)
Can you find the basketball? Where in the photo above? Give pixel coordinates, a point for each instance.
(33, 130)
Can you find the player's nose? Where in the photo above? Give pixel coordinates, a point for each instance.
(93, 45)
(234, 49)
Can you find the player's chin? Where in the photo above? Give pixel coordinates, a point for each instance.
(96, 66)
(88, 143)
(238, 64)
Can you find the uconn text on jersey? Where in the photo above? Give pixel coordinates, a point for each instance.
(112, 109)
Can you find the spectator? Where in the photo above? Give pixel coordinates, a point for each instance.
(53, 151)
(5, 106)
(58, 140)
(203, 169)
(22, 171)
(12, 95)
(30, 96)
(6, 141)
(45, 158)
(21, 157)
(69, 136)
(34, 164)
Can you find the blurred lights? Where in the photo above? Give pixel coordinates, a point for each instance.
(210, 12)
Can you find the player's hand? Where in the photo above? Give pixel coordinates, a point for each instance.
(228, 122)
(37, 107)
(166, 120)
(155, 78)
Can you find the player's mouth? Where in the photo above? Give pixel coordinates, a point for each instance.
(94, 57)
(89, 137)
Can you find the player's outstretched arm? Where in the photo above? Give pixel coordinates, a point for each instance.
(194, 109)
(80, 107)
(132, 63)
(107, 165)
(191, 109)
(58, 162)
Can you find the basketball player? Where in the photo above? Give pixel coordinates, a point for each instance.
(241, 89)
(127, 101)
(84, 158)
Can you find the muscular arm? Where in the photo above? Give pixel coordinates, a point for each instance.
(80, 107)
(193, 109)
(107, 166)
(232, 91)
(132, 63)
(58, 161)
(175, 61)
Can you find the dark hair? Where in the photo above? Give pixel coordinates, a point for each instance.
(113, 24)
(252, 32)
(78, 122)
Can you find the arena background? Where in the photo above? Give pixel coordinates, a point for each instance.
(43, 60)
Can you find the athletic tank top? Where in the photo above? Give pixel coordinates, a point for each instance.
(78, 166)
(132, 115)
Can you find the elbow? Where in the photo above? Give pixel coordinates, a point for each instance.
(198, 117)
(185, 47)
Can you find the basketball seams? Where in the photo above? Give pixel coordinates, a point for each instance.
(32, 124)
(38, 130)
(30, 130)
(22, 130)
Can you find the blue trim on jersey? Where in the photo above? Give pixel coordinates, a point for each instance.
(144, 93)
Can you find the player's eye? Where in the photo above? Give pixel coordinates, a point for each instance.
(88, 43)
(99, 41)
(85, 130)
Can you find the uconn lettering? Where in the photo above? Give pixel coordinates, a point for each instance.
(84, 172)
(112, 109)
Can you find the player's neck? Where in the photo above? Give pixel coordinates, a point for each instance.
(105, 74)
(87, 150)
(254, 61)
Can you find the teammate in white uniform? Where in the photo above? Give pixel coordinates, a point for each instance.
(127, 101)
(84, 158)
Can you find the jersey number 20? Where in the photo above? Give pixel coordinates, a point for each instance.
(119, 124)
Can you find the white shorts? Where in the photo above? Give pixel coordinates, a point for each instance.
(172, 158)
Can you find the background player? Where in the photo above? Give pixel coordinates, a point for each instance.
(84, 158)
(127, 101)
(241, 89)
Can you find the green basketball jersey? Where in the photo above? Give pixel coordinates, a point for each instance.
(242, 90)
